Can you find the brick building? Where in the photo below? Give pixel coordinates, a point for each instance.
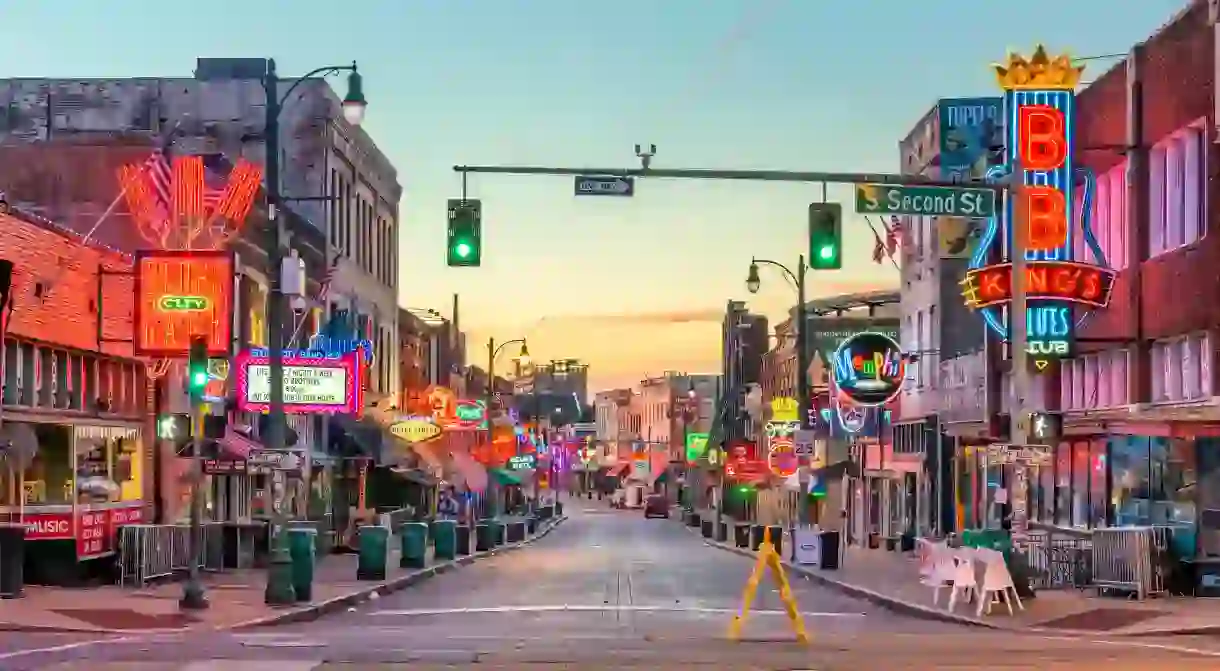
(76, 403)
(1141, 415)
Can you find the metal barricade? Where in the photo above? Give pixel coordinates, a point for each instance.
(1057, 561)
(151, 551)
(1130, 559)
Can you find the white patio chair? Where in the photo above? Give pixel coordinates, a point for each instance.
(937, 570)
(964, 584)
(997, 582)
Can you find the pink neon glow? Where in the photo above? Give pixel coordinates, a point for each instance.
(354, 400)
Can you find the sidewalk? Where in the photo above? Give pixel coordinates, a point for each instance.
(892, 580)
(236, 598)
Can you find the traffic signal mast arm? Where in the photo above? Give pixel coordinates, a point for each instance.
(741, 175)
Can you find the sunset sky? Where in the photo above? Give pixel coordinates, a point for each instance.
(633, 286)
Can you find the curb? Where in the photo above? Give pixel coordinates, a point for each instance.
(311, 611)
(904, 607)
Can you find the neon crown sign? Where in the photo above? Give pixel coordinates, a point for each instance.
(1040, 112)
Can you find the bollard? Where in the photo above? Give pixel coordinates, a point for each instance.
(302, 542)
(462, 539)
(12, 561)
(445, 541)
(414, 539)
(482, 536)
(374, 546)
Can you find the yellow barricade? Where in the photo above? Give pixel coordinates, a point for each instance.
(768, 558)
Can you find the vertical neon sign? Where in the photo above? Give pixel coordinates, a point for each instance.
(1040, 116)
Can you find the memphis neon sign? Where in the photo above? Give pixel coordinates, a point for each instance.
(1040, 114)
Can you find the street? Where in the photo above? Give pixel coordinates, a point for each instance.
(608, 589)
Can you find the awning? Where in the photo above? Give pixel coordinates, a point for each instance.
(505, 477)
(471, 471)
(429, 454)
(658, 472)
(237, 446)
(356, 438)
(416, 476)
(617, 469)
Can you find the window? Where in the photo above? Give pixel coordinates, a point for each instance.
(1094, 381)
(1177, 172)
(1181, 369)
(1109, 219)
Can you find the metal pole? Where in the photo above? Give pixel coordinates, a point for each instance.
(193, 597)
(802, 371)
(279, 591)
(1017, 318)
(492, 489)
(738, 175)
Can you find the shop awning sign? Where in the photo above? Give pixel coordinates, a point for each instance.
(416, 429)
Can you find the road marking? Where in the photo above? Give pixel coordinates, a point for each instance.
(260, 665)
(420, 612)
(1139, 644)
(70, 646)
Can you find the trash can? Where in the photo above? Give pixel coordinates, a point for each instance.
(777, 538)
(756, 536)
(497, 532)
(531, 525)
(706, 527)
(693, 519)
(302, 544)
(515, 532)
(414, 539)
(482, 536)
(445, 541)
(462, 539)
(741, 535)
(829, 545)
(373, 553)
(722, 532)
(558, 507)
(12, 560)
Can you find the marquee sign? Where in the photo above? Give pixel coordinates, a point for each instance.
(1040, 113)
(180, 294)
(312, 384)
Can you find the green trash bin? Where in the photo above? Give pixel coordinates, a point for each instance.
(374, 553)
(497, 532)
(445, 540)
(301, 547)
(414, 539)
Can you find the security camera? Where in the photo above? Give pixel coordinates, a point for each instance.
(299, 305)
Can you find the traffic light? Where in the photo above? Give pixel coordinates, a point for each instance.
(175, 429)
(825, 236)
(464, 240)
(197, 368)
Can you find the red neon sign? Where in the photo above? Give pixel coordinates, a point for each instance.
(179, 295)
(1058, 280)
(1042, 136)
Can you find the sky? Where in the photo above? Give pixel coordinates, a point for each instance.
(632, 286)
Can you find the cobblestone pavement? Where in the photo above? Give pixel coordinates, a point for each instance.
(610, 590)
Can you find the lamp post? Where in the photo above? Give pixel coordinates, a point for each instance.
(279, 591)
(493, 351)
(802, 351)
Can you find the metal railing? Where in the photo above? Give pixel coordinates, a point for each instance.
(1058, 562)
(1131, 559)
(151, 551)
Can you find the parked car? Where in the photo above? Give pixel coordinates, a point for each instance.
(656, 506)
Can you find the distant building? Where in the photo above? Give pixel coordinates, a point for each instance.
(744, 342)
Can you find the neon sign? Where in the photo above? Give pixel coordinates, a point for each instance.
(340, 346)
(312, 384)
(869, 368)
(1040, 112)
(182, 303)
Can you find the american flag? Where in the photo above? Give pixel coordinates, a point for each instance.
(161, 177)
(324, 290)
(893, 236)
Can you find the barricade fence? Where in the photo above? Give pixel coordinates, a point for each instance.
(1058, 562)
(151, 551)
(1131, 559)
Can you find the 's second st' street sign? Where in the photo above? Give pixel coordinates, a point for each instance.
(593, 185)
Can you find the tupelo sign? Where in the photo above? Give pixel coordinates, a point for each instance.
(180, 294)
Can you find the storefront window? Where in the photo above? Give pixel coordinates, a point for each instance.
(1063, 484)
(1042, 492)
(1097, 483)
(1080, 484)
(48, 477)
(1131, 493)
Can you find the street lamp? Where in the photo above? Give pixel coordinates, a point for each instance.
(493, 351)
(802, 353)
(279, 591)
(752, 281)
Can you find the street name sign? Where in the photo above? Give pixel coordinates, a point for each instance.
(593, 185)
(928, 201)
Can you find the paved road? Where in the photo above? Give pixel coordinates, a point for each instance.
(609, 590)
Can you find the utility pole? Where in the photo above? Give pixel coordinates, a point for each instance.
(1017, 329)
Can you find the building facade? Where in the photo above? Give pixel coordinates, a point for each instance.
(744, 339)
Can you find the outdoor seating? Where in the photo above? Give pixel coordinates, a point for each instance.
(997, 582)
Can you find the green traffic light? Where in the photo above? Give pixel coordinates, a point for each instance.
(826, 252)
(463, 250)
(199, 378)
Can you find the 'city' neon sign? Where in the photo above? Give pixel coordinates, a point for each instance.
(183, 303)
(1040, 114)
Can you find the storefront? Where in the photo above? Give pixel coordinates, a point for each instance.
(80, 484)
